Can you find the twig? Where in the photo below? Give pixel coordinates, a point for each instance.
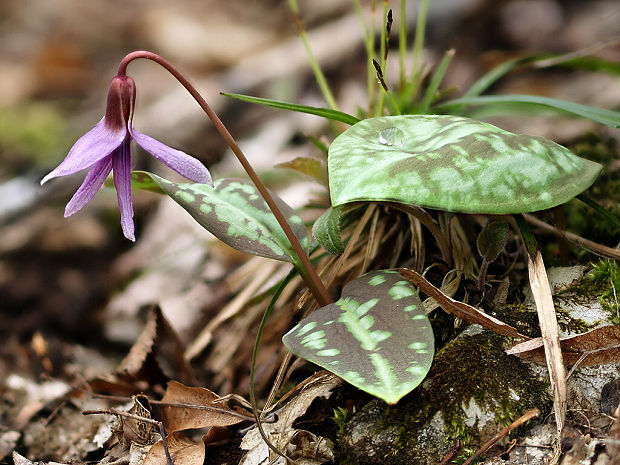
(580, 241)
(530, 414)
(450, 455)
(120, 413)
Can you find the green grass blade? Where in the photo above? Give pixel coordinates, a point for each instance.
(259, 335)
(402, 44)
(490, 78)
(436, 81)
(314, 63)
(599, 208)
(418, 45)
(590, 63)
(328, 113)
(599, 115)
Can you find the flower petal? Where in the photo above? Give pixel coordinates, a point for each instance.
(180, 162)
(95, 178)
(121, 164)
(92, 147)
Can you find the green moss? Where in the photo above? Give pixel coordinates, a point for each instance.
(602, 284)
(472, 367)
(568, 324)
(520, 316)
(341, 417)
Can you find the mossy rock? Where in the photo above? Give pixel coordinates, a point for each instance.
(472, 391)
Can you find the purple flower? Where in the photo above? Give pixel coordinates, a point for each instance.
(106, 148)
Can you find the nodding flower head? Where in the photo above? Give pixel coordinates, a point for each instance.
(106, 148)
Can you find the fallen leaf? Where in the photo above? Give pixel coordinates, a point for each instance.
(460, 309)
(136, 431)
(157, 355)
(184, 407)
(304, 447)
(282, 434)
(182, 450)
(597, 347)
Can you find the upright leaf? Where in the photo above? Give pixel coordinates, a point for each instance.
(376, 336)
(453, 163)
(492, 239)
(234, 211)
(326, 231)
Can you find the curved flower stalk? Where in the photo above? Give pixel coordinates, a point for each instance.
(106, 148)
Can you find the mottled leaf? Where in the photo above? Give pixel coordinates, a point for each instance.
(139, 180)
(376, 336)
(326, 231)
(453, 163)
(234, 211)
(597, 347)
(492, 239)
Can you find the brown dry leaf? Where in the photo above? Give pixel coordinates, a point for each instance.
(460, 309)
(186, 407)
(304, 447)
(182, 451)
(157, 355)
(597, 347)
(136, 431)
(310, 449)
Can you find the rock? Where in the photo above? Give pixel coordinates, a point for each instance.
(474, 389)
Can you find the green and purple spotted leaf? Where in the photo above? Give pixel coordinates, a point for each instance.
(455, 164)
(376, 336)
(233, 211)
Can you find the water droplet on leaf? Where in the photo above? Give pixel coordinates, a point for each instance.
(391, 136)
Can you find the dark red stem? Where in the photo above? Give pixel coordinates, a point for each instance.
(311, 276)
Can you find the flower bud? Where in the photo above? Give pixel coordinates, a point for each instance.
(121, 100)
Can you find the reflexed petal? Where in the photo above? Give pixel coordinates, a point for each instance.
(180, 162)
(121, 164)
(95, 178)
(92, 147)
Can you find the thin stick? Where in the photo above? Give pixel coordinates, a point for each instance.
(455, 449)
(120, 413)
(547, 319)
(527, 416)
(307, 271)
(580, 241)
